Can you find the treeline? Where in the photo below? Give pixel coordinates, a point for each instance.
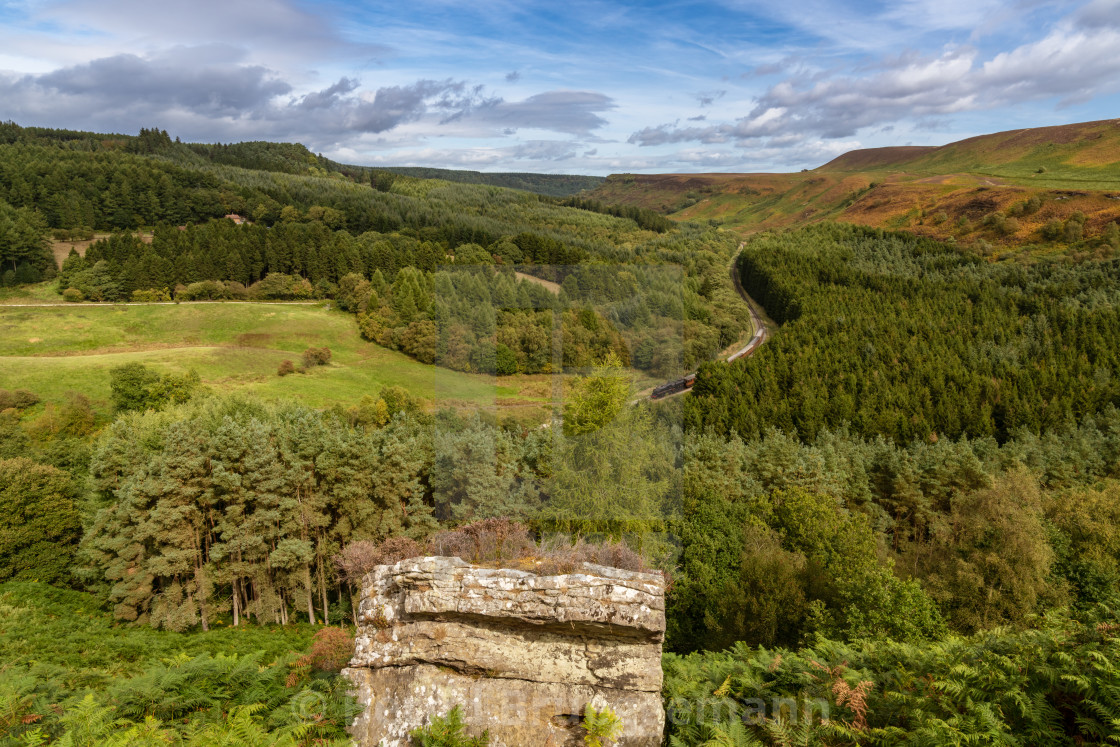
(308, 232)
(855, 537)
(438, 304)
(25, 255)
(644, 217)
(230, 508)
(491, 321)
(914, 339)
(207, 508)
(262, 498)
(233, 509)
(557, 185)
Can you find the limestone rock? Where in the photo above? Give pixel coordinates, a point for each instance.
(521, 654)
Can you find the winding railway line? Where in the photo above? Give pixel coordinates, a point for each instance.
(761, 333)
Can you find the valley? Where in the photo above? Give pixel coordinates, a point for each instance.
(961, 192)
(862, 420)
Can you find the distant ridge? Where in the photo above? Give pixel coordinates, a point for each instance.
(1018, 188)
(1074, 147)
(876, 158)
(555, 185)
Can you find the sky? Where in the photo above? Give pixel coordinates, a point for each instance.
(563, 86)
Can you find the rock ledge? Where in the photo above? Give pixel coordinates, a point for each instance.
(520, 653)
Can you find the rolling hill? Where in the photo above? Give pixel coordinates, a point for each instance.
(1043, 177)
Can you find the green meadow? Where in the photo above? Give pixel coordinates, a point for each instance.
(52, 350)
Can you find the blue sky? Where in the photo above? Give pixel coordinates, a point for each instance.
(575, 86)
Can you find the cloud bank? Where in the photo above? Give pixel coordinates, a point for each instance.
(728, 85)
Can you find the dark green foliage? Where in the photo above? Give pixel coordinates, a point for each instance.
(230, 506)
(316, 357)
(448, 731)
(134, 386)
(912, 339)
(303, 227)
(18, 399)
(13, 439)
(1057, 685)
(546, 184)
(989, 543)
(69, 671)
(644, 217)
(39, 526)
(24, 248)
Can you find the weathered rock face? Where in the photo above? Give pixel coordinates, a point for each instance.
(521, 654)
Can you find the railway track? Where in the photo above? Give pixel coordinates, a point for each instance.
(761, 333)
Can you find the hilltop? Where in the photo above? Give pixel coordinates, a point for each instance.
(1043, 178)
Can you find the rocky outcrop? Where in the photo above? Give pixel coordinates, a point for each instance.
(520, 653)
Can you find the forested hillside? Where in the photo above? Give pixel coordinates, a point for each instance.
(383, 249)
(901, 508)
(914, 339)
(557, 185)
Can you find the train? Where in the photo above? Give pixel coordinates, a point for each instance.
(673, 387)
(685, 382)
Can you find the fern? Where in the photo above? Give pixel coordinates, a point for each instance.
(448, 731)
(602, 727)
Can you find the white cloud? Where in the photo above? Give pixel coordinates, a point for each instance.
(1071, 63)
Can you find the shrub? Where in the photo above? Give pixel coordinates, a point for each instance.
(602, 727)
(20, 399)
(236, 290)
(72, 295)
(448, 731)
(1074, 230)
(39, 524)
(562, 556)
(501, 542)
(134, 386)
(286, 367)
(277, 285)
(331, 649)
(206, 290)
(151, 295)
(359, 558)
(485, 541)
(316, 357)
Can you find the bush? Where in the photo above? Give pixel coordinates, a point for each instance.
(331, 649)
(359, 558)
(316, 357)
(448, 731)
(72, 295)
(603, 727)
(277, 285)
(39, 524)
(151, 295)
(20, 399)
(495, 542)
(486, 541)
(206, 290)
(1052, 230)
(286, 367)
(134, 386)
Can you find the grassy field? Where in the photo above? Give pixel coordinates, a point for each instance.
(232, 346)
